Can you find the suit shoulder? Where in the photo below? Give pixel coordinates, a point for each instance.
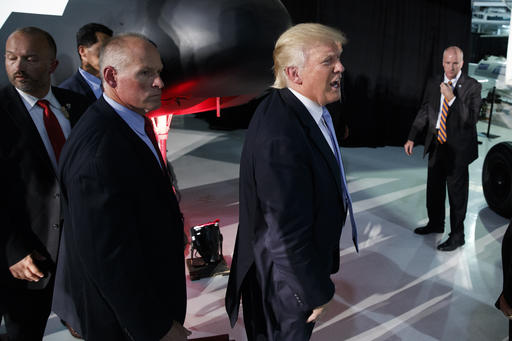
(274, 120)
(473, 81)
(92, 129)
(7, 91)
(71, 83)
(71, 97)
(59, 91)
(272, 108)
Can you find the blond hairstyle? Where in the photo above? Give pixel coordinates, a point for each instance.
(292, 46)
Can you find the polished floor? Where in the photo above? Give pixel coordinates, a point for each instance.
(399, 287)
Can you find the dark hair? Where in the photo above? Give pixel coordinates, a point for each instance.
(32, 30)
(86, 35)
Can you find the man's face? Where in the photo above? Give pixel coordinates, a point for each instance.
(452, 63)
(91, 55)
(139, 85)
(321, 73)
(29, 62)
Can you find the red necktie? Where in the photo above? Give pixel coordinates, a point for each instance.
(148, 128)
(53, 128)
(441, 133)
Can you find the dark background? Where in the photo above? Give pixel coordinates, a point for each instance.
(393, 47)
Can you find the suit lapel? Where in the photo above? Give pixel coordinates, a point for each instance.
(20, 116)
(460, 87)
(144, 156)
(83, 83)
(314, 133)
(67, 105)
(437, 97)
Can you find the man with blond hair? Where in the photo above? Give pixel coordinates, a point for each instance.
(124, 229)
(293, 195)
(448, 114)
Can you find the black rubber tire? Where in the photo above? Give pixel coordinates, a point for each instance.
(497, 179)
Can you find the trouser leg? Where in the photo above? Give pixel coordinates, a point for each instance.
(27, 313)
(458, 189)
(436, 195)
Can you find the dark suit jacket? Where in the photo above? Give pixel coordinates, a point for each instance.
(34, 216)
(291, 210)
(77, 83)
(506, 260)
(123, 232)
(461, 122)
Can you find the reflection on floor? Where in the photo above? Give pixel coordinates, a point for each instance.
(398, 287)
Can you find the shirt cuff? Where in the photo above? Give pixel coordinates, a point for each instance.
(451, 102)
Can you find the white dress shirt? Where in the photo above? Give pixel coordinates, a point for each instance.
(36, 113)
(454, 83)
(315, 110)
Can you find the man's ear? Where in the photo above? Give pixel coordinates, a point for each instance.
(292, 73)
(82, 52)
(110, 76)
(54, 65)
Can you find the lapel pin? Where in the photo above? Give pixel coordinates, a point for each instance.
(65, 109)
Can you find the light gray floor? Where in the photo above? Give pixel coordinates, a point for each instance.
(398, 287)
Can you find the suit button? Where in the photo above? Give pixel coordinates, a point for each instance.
(55, 226)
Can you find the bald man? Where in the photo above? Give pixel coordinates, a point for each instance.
(124, 228)
(36, 120)
(449, 114)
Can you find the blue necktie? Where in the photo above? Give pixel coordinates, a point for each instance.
(346, 195)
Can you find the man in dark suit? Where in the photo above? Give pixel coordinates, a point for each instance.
(448, 113)
(293, 196)
(36, 119)
(124, 229)
(86, 80)
(504, 302)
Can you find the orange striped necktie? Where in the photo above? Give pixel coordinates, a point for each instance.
(441, 133)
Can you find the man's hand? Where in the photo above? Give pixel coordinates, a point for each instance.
(346, 133)
(505, 308)
(177, 333)
(26, 269)
(447, 91)
(408, 147)
(317, 312)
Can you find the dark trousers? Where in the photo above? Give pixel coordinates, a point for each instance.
(442, 174)
(267, 319)
(27, 312)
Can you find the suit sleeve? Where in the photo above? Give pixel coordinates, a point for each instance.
(107, 235)
(507, 264)
(20, 240)
(468, 106)
(285, 192)
(421, 121)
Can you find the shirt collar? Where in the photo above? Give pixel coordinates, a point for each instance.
(313, 108)
(89, 77)
(134, 120)
(455, 80)
(30, 100)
